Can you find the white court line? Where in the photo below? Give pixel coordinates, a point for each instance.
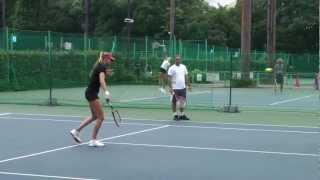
(249, 129)
(290, 100)
(221, 123)
(37, 119)
(178, 126)
(78, 121)
(217, 149)
(4, 114)
(43, 176)
(191, 121)
(69, 147)
(48, 115)
(158, 97)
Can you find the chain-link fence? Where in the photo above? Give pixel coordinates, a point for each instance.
(44, 64)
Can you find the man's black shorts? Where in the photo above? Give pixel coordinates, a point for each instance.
(179, 92)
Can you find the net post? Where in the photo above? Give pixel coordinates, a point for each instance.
(50, 103)
(230, 81)
(229, 108)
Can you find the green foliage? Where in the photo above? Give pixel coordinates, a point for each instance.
(33, 70)
(197, 72)
(297, 21)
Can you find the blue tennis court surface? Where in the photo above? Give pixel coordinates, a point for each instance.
(40, 147)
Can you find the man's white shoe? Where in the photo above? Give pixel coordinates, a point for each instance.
(95, 143)
(76, 136)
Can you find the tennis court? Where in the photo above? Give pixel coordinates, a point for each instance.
(38, 146)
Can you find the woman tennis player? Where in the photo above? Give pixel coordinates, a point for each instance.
(99, 72)
(163, 74)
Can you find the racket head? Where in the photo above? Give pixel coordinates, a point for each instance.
(117, 118)
(115, 114)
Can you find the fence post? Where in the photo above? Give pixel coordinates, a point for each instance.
(180, 48)
(213, 53)
(7, 38)
(198, 52)
(206, 47)
(114, 44)
(174, 45)
(6, 45)
(85, 46)
(134, 49)
(11, 42)
(146, 50)
(50, 68)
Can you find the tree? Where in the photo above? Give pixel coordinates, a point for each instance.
(246, 38)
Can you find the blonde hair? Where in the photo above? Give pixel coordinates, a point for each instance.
(99, 60)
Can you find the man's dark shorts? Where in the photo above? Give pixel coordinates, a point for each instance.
(179, 93)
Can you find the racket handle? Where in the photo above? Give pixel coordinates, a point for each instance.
(108, 101)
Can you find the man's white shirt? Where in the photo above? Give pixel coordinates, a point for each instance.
(178, 74)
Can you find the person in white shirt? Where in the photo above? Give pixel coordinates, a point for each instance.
(163, 74)
(178, 80)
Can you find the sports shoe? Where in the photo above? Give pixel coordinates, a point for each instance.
(184, 117)
(176, 118)
(95, 143)
(162, 90)
(75, 134)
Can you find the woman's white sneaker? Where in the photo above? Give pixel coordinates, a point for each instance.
(76, 135)
(95, 143)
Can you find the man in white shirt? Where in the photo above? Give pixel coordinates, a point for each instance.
(178, 80)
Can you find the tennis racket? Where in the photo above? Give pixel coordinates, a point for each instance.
(115, 114)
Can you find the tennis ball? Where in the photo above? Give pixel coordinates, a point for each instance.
(268, 69)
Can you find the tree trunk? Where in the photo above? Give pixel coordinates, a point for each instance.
(4, 13)
(86, 16)
(172, 18)
(271, 32)
(128, 29)
(246, 38)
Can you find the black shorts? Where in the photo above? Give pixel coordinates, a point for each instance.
(91, 96)
(163, 71)
(179, 92)
(279, 78)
